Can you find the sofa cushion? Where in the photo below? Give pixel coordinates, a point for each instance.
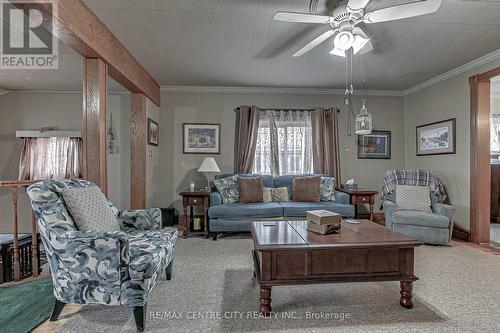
(246, 210)
(90, 209)
(228, 189)
(287, 181)
(275, 194)
(422, 219)
(267, 180)
(299, 209)
(306, 189)
(413, 198)
(250, 189)
(327, 189)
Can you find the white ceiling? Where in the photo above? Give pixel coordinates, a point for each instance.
(236, 43)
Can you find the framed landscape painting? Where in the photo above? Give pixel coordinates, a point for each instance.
(375, 146)
(436, 138)
(153, 132)
(201, 138)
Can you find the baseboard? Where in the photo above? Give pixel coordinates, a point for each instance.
(461, 233)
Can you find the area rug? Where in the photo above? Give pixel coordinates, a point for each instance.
(25, 306)
(213, 290)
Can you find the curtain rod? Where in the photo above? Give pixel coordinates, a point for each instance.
(283, 109)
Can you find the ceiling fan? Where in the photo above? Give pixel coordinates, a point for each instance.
(345, 18)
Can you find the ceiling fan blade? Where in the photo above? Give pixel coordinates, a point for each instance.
(315, 42)
(402, 11)
(357, 4)
(301, 18)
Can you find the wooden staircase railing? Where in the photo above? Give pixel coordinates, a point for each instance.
(14, 185)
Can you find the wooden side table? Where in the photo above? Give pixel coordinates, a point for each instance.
(191, 199)
(361, 196)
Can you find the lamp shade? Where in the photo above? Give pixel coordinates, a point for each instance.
(209, 165)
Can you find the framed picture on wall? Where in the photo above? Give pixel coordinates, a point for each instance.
(153, 132)
(201, 138)
(436, 138)
(376, 145)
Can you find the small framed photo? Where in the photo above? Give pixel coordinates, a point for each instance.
(436, 138)
(376, 145)
(201, 138)
(153, 132)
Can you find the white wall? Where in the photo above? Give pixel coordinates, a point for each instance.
(447, 99)
(178, 169)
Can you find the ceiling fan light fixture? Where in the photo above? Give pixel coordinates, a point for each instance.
(359, 43)
(343, 40)
(338, 52)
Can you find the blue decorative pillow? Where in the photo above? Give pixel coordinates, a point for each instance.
(327, 189)
(228, 189)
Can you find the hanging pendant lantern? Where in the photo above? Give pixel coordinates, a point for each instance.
(364, 121)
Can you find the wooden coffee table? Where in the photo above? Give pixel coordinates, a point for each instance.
(285, 253)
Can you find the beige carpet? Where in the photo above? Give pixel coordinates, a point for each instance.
(458, 291)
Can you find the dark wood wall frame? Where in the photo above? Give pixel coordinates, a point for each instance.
(454, 121)
(480, 170)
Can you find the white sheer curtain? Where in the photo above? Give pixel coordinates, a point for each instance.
(50, 158)
(495, 134)
(284, 143)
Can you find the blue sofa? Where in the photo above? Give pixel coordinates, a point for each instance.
(236, 217)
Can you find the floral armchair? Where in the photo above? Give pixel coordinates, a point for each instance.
(110, 268)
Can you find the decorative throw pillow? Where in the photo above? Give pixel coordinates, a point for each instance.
(250, 189)
(90, 209)
(307, 189)
(327, 189)
(279, 194)
(228, 189)
(416, 198)
(267, 194)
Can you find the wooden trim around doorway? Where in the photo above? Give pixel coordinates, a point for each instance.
(480, 170)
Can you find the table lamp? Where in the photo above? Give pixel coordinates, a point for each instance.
(208, 167)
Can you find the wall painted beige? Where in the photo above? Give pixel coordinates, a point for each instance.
(30, 111)
(447, 99)
(152, 160)
(178, 169)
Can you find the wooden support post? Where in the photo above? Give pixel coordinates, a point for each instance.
(480, 172)
(94, 122)
(138, 138)
(17, 274)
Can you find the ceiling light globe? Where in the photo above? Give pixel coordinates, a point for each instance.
(343, 40)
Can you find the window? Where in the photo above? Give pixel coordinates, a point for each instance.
(50, 158)
(495, 134)
(284, 143)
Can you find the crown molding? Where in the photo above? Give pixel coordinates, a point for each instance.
(3, 92)
(454, 72)
(273, 90)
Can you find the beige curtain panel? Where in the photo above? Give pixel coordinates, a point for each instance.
(325, 138)
(245, 141)
(51, 158)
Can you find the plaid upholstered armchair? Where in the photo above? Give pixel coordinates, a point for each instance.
(432, 226)
(110, 268)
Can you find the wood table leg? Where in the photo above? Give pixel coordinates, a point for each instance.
(186, 226)
(406, 294)
(265, 300)
(371, 217)
(205, 215)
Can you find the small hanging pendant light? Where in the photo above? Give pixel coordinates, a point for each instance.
(364, 120)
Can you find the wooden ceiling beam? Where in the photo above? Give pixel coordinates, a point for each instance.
(77, 26)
